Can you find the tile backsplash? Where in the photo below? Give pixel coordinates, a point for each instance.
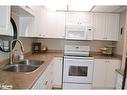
(58, 44)
(27, 42)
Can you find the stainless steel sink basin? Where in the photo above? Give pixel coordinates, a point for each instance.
(19, 68)
(32, 62)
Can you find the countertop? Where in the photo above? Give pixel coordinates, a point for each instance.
(98, 55)
(27, 80)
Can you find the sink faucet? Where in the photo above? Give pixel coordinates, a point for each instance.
(11, 50)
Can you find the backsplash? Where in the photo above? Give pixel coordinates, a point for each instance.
(58, 44)
(26, 43)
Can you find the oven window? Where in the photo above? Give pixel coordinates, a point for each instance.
(78, 71)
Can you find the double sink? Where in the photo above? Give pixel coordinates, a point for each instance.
(23, 66)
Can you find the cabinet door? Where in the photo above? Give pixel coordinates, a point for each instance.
(54, 25)
(26, 27)
(99, 24)
(60, 20)
(57, 72)
(78, 18)
(50, 25)
(99, 77)
(104, 76)
(5, 21)
(45, 80)
(112, 22)
(111, 74)
(40, 17)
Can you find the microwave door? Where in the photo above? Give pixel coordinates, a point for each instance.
(79, 35)
(76, 32)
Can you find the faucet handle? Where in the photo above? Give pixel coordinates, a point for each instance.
(21, 56)
(13, 54)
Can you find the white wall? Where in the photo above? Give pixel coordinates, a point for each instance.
(120, 43)
(58, 44)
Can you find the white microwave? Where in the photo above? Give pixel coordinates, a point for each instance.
(79, 32)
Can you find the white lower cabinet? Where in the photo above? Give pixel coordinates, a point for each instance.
(57, 72)
(119, 81)
(45, 80)
(104, 75)
(52, 76)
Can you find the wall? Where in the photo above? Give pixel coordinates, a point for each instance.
(124, 56)
(58, 44)
(120, 43)
(27, 42)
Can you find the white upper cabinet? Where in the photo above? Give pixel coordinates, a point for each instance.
(24, 11)
(5, 21)
(60, 19)
(54, 25)
(99, 24)
(78, 18)
(112, 21)
(39, 20)
(26, 20)
(106, 26)
(26, 27)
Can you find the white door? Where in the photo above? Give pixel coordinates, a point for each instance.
(104, 76)
(26, 27)
(112, 22)
(111, 74)
(54, 25)
(60, 22)
(78, 70)
(57, 72)
(100, 26)
(99, 76)
(78, 18)
(5, 21)
(39, 20)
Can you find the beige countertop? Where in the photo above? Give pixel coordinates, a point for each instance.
(98, 55)
(26, 80)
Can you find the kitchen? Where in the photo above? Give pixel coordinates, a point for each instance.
(63, 48)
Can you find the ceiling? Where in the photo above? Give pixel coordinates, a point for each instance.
(109, 9)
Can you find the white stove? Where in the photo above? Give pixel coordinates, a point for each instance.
(78, 67)
(75, 50)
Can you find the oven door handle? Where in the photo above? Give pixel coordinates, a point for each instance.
(79, 58)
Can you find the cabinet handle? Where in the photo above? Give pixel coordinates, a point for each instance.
(46, 83)
(39, 35)
(106, 61)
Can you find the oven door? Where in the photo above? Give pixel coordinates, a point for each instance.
(77, 70)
